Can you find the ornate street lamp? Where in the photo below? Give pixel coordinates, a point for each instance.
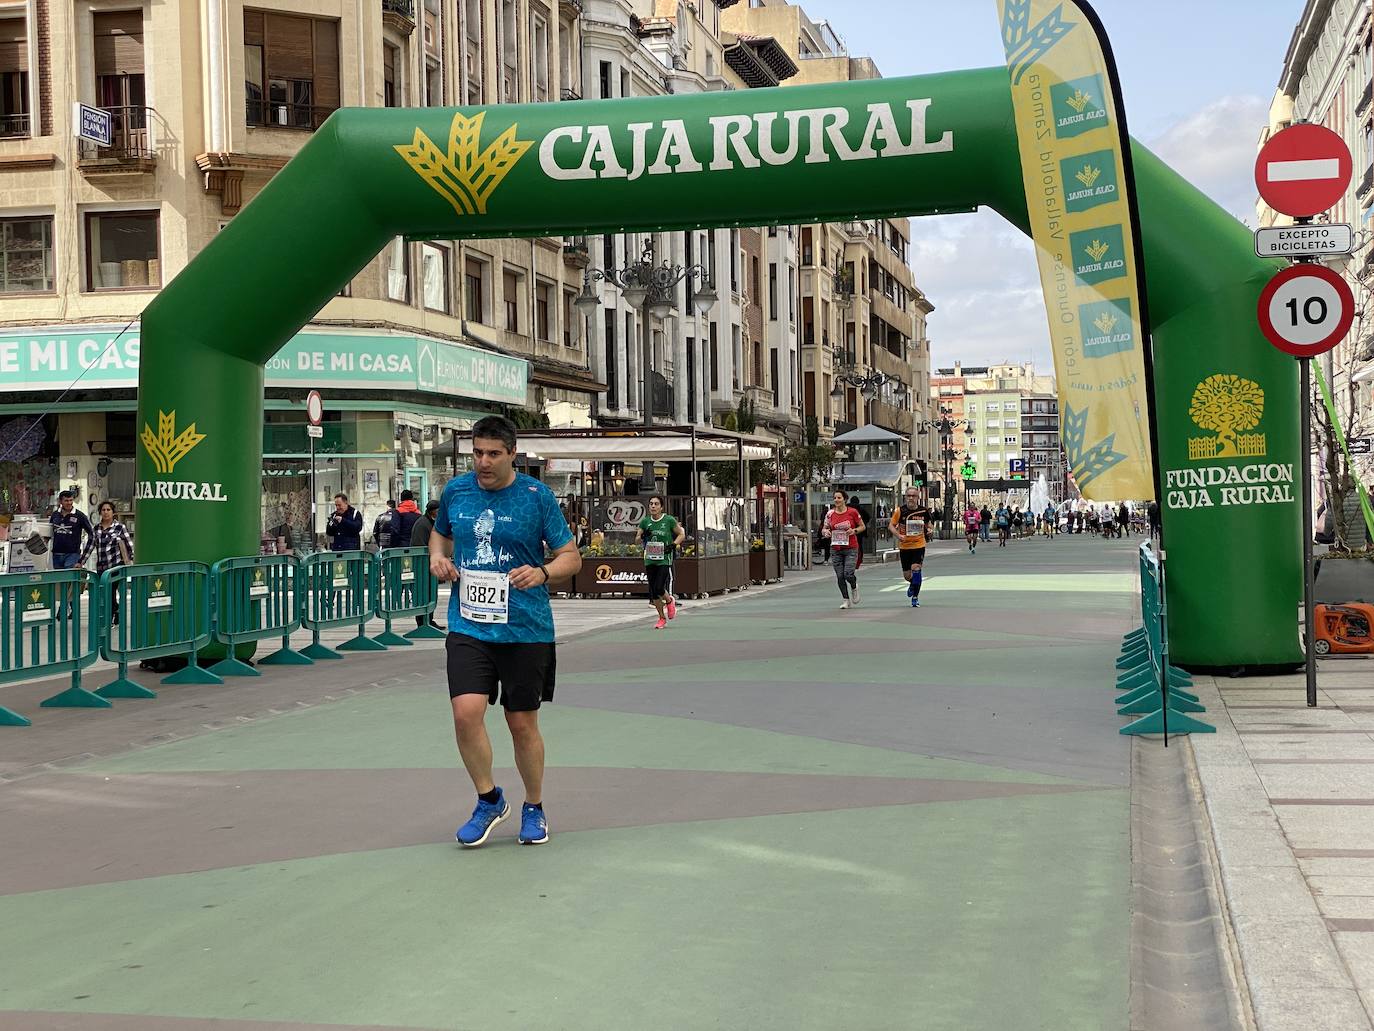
(946, 426)
(649, 288)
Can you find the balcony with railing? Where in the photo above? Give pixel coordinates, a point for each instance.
(569, 94)
(1365, 183)
(132, 149)
(399, 15)
(576, 252)
(286, 114)
(16, 125)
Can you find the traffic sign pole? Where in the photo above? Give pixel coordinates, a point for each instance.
(1309, 581)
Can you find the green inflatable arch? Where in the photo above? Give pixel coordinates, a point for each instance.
(890, 147)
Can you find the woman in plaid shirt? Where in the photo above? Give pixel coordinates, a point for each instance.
(113, 547)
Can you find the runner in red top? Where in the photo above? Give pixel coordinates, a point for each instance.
(842, 526)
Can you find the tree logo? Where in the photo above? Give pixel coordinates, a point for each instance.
(167, 447)
(466, 176)
(1228, 406)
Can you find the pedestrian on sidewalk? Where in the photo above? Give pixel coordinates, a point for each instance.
(72, 536)
(863, 534)
(419, 538)
(403, 520)
(908, 525)
(985, 522)
(1156, 523)
(841, 528)
(499, 539)
(345, 526)
(661, 535)
(113, 547)
(382, 535)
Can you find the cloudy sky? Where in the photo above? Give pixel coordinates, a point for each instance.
(1197, 77)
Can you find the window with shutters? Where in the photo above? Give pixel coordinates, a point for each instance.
(391, 71)
(510, 54)
(26, 255)
(434, 54)
(434, 268)
(291, 69)
(572, 320)
(472, 50)
(510, 293)
(122, 251)
(14, 76)
(474, 289)
(543, 314)
(541, 41)
(119, 77)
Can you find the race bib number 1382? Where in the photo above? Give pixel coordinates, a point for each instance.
(484, 597)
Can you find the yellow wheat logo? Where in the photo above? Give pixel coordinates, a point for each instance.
(167, 447)
(1089, 176)
(36, 595)
(1098, 250)
(466, 176)
(1227, 405)
(157, 584)
(1079, 101)
(1106, 322)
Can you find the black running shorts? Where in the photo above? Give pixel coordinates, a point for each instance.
(524, 673)
(660, 581)
(912, 557)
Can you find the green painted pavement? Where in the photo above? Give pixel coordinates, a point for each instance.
(410, 729)
(1069, 666)
(925, 916)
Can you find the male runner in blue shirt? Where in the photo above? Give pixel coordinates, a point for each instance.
(490, 540)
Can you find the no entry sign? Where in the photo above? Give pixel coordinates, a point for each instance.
(1306, 310)
(1303, 171)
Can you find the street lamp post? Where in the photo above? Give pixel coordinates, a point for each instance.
(945, 427)
(849, 371)
(648, 287)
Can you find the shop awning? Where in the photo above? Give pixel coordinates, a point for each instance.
(635, 448)
(884, 474)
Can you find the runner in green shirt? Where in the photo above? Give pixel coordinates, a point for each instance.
(661, 535)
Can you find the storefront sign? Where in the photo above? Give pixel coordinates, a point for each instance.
(106, 361)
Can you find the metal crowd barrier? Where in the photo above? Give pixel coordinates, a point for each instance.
(257, 598)
(340, 590)
(1155, 690)
(42, 633)
(163, 610)
(406, 588)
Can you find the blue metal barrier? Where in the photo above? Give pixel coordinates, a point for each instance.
(340, 590)
(42, 633)
(256, 598)
(1154, 689)
(406, 588)
(163, 610)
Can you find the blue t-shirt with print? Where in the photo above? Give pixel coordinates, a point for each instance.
(497, 531)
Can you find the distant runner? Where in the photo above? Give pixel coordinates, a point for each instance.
(661, 536)
(908, 524)
(842, 527)
(973, 522)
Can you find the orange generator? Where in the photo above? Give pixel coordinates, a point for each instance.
(1345, 629)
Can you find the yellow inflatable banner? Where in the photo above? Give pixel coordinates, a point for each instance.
(1078, 189)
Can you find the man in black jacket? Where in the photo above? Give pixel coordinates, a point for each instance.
(419, 538)
(384, 528)
(345, 526)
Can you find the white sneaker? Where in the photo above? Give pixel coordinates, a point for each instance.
(854, 595)
(844, 604)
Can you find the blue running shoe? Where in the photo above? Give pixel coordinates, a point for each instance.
(534, 825)
(486, 816)
(915, 603)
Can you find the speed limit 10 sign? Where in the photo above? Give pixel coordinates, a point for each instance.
(1306, 310)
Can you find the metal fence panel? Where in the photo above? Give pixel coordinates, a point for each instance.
(43, 632)
(255, 598)
(164, 609)
(406, 588)
(340, 590)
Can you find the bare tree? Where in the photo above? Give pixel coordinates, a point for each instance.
(1339, 478)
